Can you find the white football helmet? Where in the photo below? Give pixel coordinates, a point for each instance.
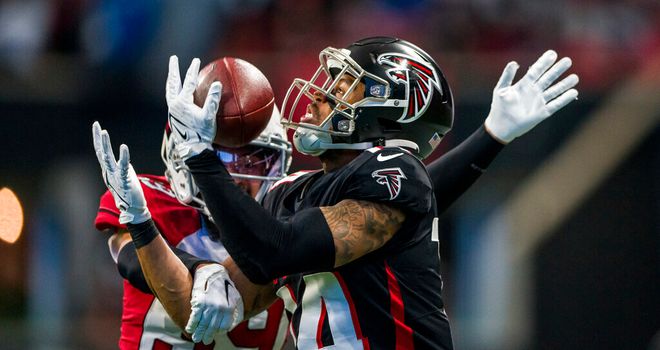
(271, 146)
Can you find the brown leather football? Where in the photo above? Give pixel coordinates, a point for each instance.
(247, 100)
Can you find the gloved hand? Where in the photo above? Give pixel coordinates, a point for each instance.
(193, 128)
(120, 178)
(517, 108)
(216, 304)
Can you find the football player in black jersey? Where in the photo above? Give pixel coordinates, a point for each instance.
(353, 247)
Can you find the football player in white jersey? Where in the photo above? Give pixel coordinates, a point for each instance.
(182, 218)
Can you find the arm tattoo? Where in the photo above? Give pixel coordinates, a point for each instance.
(360, 227)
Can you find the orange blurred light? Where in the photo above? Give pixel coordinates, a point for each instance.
(11, 216)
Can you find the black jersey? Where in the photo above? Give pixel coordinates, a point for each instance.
(389, 298)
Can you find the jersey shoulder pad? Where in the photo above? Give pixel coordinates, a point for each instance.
(390, 175)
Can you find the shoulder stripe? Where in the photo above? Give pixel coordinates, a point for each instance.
(290, 178)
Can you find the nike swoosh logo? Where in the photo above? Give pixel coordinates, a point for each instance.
(382, 158)
(174, 126)
(112, 189)
(227, 284)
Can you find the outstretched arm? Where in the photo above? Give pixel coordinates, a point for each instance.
(167, 276)
(454, 172)
(515, 110)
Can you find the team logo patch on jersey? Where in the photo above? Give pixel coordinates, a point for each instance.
(390, 177)
(420, 78)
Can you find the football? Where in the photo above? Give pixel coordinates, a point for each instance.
(246, 103)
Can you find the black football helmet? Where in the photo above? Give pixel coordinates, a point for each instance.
(407, 100)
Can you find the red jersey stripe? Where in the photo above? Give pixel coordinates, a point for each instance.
(356, 321)
(136, 306)
(319, 328)
(293, 295)
(403, 333)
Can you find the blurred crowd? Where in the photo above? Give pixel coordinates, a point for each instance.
(133, 38)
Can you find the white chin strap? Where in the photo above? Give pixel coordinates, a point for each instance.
(402, 143)
(367, 145)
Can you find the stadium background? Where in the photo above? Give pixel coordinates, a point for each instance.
(557, 246)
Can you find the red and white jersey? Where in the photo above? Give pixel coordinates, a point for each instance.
(145, 325)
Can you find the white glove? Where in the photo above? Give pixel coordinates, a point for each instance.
(216, 304)
(517, 108)
(120, 178)
(193, 128)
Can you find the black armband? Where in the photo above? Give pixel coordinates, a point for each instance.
(142, 233)
(129, 267)
(482, 148)
(454, 172)
(263, 247)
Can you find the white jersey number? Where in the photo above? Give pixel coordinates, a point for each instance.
(324, 298)
(155, 185)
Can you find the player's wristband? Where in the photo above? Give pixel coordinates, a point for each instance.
(142, 233)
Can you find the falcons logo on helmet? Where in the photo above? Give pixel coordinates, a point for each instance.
(390, 177)
(420, 78)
